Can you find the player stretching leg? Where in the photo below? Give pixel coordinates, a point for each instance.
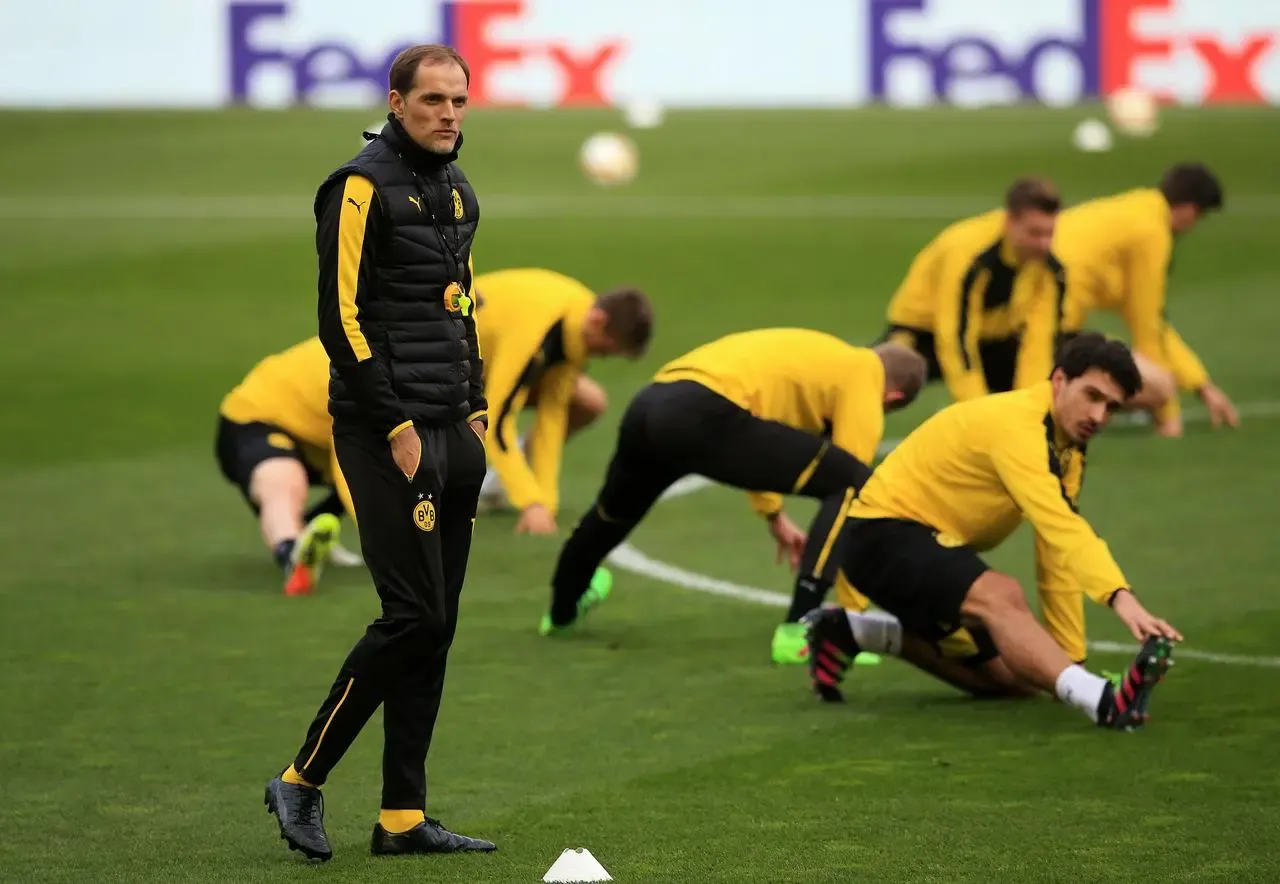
(724, 412)
(961, 483)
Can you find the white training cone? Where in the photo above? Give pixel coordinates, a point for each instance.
(574, 866)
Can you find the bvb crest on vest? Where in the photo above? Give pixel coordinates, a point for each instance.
(424, 515)
(457, 205)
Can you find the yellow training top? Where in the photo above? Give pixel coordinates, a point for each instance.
(290, 390)
(1117, 251)
(975, 469)
(803, 378)
(967, 287)
(531, 334)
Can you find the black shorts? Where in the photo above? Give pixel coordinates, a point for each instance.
(679, 428)
(999, 358)
(912, 572)
(241, 447)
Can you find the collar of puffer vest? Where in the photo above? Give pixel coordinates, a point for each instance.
(421, 158)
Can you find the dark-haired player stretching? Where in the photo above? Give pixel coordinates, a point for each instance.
(961, 483)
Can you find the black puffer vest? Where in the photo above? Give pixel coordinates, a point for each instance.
(412, 317)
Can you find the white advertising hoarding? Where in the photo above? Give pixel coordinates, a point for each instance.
(273, 53)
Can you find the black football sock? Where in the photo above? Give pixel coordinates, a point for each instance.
(593, 538)
(283, 552)
(331, 505)
(807, 595)
(820, 559)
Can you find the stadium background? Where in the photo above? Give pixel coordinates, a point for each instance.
(157, 162)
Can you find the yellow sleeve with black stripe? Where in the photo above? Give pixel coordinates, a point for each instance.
(958, 325)
(1026, 469)
(1061, 601)
(346, 244)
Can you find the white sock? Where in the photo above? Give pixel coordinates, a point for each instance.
(492, 483)
(876, 631)
(1082, 689)
(523, 443)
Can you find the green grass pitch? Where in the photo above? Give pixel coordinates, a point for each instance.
(153, 677)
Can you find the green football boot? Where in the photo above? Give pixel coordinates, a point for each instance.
(597, 592)
(790, 643)
(791, 646)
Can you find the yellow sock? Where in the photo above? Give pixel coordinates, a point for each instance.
(293, 778)
(398, 821)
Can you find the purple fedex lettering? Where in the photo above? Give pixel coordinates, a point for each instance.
(973, 57)
(319, 65)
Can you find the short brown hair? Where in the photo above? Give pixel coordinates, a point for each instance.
(404, 70)
(1032, 193)
(905, 370)
(628, 318)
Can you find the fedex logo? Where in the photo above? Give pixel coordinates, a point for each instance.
(1198, 51)
(1020, 51)
(1062, 51)
(257, 46)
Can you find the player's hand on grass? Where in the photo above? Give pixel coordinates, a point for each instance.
(1221, 409)
(536, 519)
(1142, 623)
(790, 539)
(1170, 427)
(406, 451)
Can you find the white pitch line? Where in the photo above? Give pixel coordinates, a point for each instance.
(287, 207)
(628, 558)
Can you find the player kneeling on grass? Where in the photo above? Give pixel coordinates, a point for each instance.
(749, 410)
(961, 483)
(274, 444)
(1118, 251)
(537, 331)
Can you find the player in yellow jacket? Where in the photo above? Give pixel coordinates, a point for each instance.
(274, 443)
(772, 411)
(981, 302)
(537, 330)
(1117, 251)
(961, 484)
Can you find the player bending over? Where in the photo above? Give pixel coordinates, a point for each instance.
(961, 483)
(981, 301)
(1118, 250)
(748, 410)
(537, 331)
(275, 442)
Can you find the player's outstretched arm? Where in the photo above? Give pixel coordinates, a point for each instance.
(1023, 464)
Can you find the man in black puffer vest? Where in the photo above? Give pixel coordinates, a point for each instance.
(393, 233)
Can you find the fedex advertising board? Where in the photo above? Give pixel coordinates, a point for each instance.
(561, 53)
(290, 52)
(684, 53)
(275, 53)
(1063, 51)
